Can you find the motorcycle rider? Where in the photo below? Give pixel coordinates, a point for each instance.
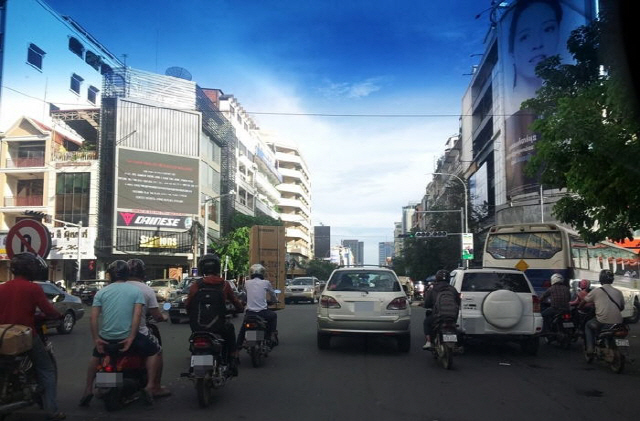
(609, 303)
(257, 289)
(431, 296)
(584, 288)
(559, 296)
(151, 311)
(120, 304)
(19, 299)
(582, 312)
(209, 268)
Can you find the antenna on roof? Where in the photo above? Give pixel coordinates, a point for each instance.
(179, 72)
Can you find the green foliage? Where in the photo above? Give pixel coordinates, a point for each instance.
(242, 220)
(589, 144)
(236, 246)
(321, 269)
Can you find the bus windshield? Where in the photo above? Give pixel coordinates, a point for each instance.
(524, 245)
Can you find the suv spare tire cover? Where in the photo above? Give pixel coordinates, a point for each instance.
(502, 308)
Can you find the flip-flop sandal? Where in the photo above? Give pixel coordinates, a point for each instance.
(86, 400)
(162, 394)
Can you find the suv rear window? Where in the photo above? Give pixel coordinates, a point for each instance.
(491, 281)
(369, 281)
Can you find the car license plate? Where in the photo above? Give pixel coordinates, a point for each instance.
(202, 361)
(108, 379)
(450, 338)
(567, 324)
(363, 306)
(183, 311)
(622, 342)
(254, 335)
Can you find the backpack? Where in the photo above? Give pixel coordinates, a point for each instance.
(446, 306)
(208, 308)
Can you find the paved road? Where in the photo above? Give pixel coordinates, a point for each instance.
(367, 379)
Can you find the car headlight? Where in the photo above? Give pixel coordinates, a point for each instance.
(287, 289)
(308, 289)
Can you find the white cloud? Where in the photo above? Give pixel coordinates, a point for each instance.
(351, 90)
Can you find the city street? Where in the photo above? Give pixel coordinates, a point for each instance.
(359, 379)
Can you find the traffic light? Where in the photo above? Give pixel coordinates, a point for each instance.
(431, 234)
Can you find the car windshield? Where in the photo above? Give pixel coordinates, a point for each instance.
(369, 281)
(302, 281)
(491, 281)
(159, 283)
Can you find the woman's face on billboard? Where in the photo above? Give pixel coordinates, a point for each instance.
(536, 38)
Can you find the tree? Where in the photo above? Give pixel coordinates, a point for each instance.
(321, 269)
(236, 246)
(588, 126)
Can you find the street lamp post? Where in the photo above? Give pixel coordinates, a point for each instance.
(466, 203)
(206, 217)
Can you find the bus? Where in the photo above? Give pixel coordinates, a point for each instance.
(543, 249)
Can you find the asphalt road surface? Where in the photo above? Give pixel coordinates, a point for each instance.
(368, 379)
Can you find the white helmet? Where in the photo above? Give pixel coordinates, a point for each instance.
(257, 269)
(556, 278)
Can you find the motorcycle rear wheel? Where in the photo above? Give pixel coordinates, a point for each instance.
(204, 391)
(617, 365)
(256, 356)
(113, 400)
(445, 357)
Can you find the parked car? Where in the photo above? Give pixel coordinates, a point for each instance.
(498, 304)
(165, 289)
(69, 305)
(178, 310)
(302, 289)
(89, 291)
(364, 300)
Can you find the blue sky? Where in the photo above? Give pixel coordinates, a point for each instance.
(383, 57)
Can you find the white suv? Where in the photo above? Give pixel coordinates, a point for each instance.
(498, 303)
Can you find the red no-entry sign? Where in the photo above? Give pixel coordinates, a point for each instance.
(28, 235)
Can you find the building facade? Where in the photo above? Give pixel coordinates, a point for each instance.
(385, 253)
(322, 242)
(357, 250)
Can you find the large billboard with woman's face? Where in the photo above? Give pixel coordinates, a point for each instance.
(529, 32)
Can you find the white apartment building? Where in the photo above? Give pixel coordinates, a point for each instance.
(295, 201)
(51, 73)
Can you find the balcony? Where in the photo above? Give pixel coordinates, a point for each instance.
(76, 156)
(35, 161)
(23, 201)
(262, 207)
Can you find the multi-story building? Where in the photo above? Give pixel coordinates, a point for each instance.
(295, 201)
(51, 73)
(398, 242)
(385, 253)
(357, 249)
(341, 256)
(322, 242)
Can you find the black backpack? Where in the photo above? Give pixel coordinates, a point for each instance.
(208, 308)
(446, 305)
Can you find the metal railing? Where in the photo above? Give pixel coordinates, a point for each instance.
(23, 201)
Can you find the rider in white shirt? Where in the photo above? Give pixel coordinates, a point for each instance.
(257, 289)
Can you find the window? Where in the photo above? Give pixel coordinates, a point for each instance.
(93, 60)
(76, 47)
(72, 197)
(487, 282)
(92, 94)
(35, 56)
(76, 82)
(105, 69)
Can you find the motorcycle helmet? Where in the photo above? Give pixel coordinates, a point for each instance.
(118, 270)
(209, 264)
(556, 278)
(442, 275)
(606, 276)
(29, 265)
(584, 284)
(136, 268)
(257, 271)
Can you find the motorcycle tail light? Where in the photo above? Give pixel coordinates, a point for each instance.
(622, 333)
(201, 342)
(536, 303)
(399, 303)
(251, 325)
(108, 369)
(328, 302)
(566, 316)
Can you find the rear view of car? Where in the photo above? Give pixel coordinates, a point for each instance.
(499, 303)
(359, 301)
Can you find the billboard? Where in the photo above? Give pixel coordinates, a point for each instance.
(530, 31)
(156, 182)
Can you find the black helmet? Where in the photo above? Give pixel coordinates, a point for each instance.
(29, 265)
(136, 268)
(606, 276)
(209, 264)
(442, 275)
(118, 271)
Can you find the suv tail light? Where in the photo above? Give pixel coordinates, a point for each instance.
(328, 302)
(399, 303)
(536, 303)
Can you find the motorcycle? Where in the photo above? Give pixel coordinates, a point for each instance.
(120, 378)
(612, 347)
(255, 342)
(562, 330)
(445, 342)
(18, 384)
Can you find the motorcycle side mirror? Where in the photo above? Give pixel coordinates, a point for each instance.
(166, 306)
(277, 291)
